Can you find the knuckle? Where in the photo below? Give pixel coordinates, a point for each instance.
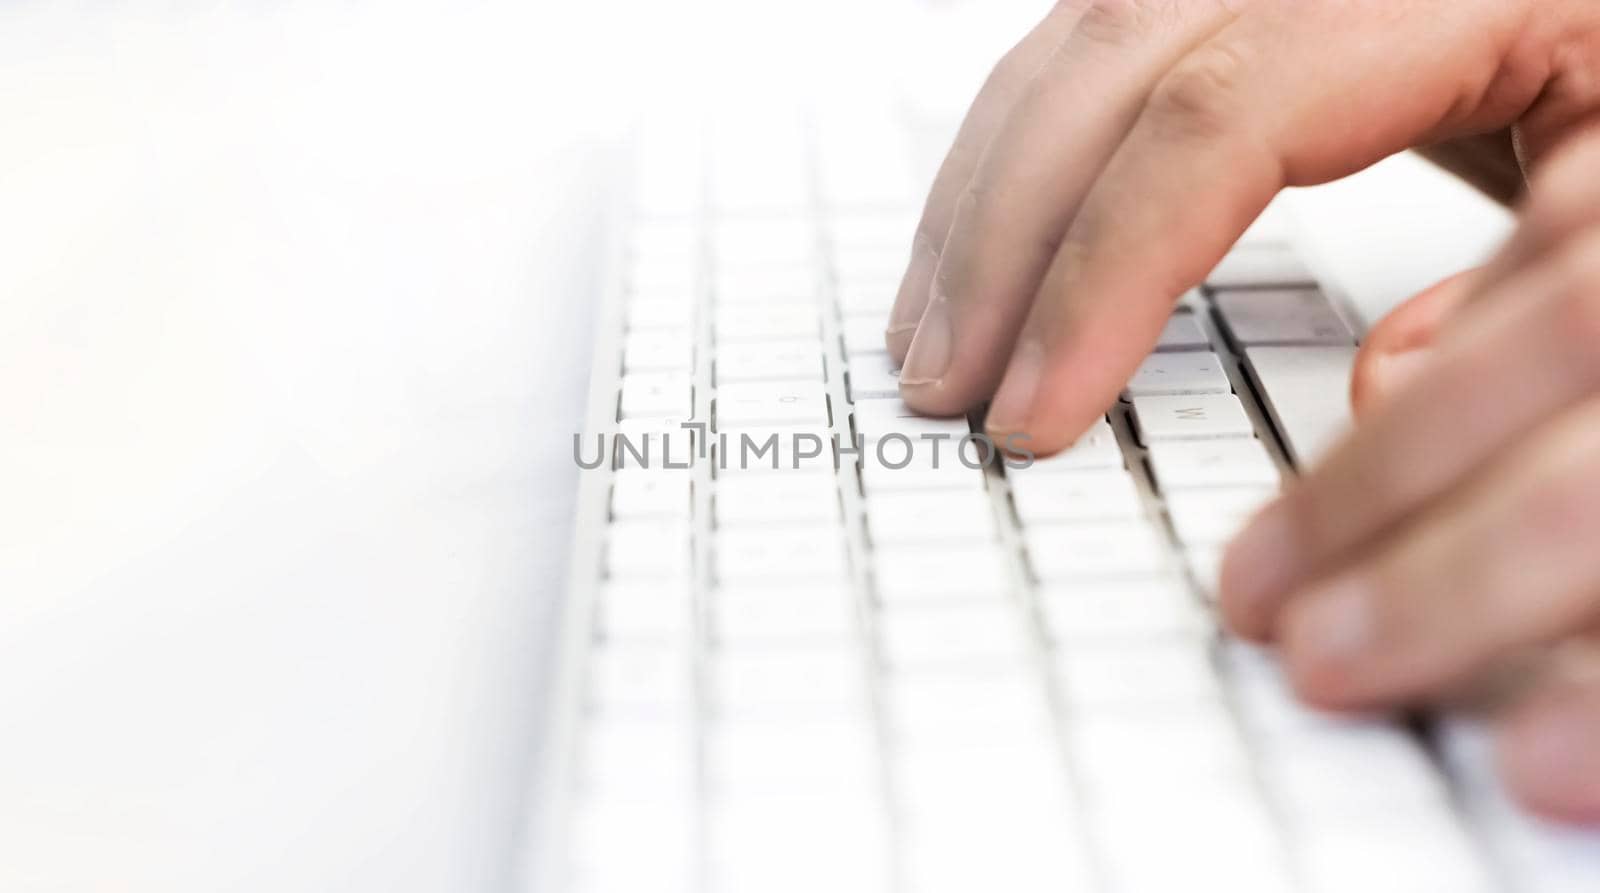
(1201, 94)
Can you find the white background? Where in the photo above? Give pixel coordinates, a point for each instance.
(291, 315)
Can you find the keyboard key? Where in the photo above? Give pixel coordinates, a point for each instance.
(876, 419)
(791, 285)
(650, 493)
(775, 498)
(752, 843)
(1395, 853)
(771, 403)
(1103, 548)
(660, 611)
(1190, 417)
(746, 682)
(1186, 372)
(894, 465)
(1281, 317)
(955, 634)
(796, 360)
(654, 549)
(873, 376)
(761, 450)
(868, 297)
(665, 859)
(780, 553)
(783, 614)
(764, 322)
(1352, 772)
(863, 334)
(657, 351)
(1261, 266)
(1213, 516)
(654, 445)
(629, 758)
(1138, 609)
(643, 679)
(912, 575)
(657, 396)
(1126, 674)
(836, 754)
(930, 516)
(1084, 496)
(659, 315)
(1181, 464)
(1006, 700)
(1183, 332)
(1305, 391)
(1145, 760)
(1096, 449)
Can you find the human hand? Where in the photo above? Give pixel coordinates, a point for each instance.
(1123, 146)
(1457, 527)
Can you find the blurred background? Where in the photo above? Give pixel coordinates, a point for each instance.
(292, 302)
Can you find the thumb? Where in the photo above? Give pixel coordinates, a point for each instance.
(1401, 342)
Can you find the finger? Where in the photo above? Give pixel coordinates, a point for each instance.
(1549, 748)
(1396, 347)
(1526, 353)
(1009, 219)
(1005, 83)
(1458, 587)
(1263, 104)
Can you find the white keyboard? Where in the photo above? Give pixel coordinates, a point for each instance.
(844, 675)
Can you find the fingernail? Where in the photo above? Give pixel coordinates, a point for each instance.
(1397, 370)
(1332, 625)
(1012, 407)
(1259, 568)
(929, 358)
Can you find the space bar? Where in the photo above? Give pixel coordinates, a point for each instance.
(1306, 392)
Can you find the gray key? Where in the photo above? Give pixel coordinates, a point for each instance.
(1281, 316)
(1306, 394)
(1190, 417)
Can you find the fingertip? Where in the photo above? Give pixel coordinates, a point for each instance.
(897, 340)
(1549, 755)
(1326, 637)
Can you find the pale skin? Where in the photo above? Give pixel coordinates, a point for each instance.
(1115, 155)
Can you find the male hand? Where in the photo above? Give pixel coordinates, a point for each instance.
(1123, 146)
(1458, 527)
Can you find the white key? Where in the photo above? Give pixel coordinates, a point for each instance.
(886, 228)
(1205, 830)
(658, 351)
(868, 297)
(1183, 372)
(1000, 701)
(1144, 759)
(752, 241)
(654, 549)
(863, 333)
(780, 553)
(1213, 516)
(873, 376)
(1305, 391)
(643, 680)
(1280, 317)
(1096, 449)
(893, 465)
(750, 681)
(1084, 496)
(797, 360)
(1206, 564)
(752, 843)
(1212, 463)
(1394, 853)
(1543, 855)
(951, 634)
(1190, 417)
(748, 756)
(1094, 611)
(1352, 772)
(792, 285)
(762, 450)
(632, 758)
(775, 498)
(1260, 266)
(768, 614)
(1182, 332)
(1126, 674)
(911, 575)
(771, 403)
(880, 418)
(869, 262)
(639, 610)
(659, 315)
(657, 396)
(654, 445)
(1099, 549)
(650, 493)
(763, 322)
(930, 516)
(664, 859)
